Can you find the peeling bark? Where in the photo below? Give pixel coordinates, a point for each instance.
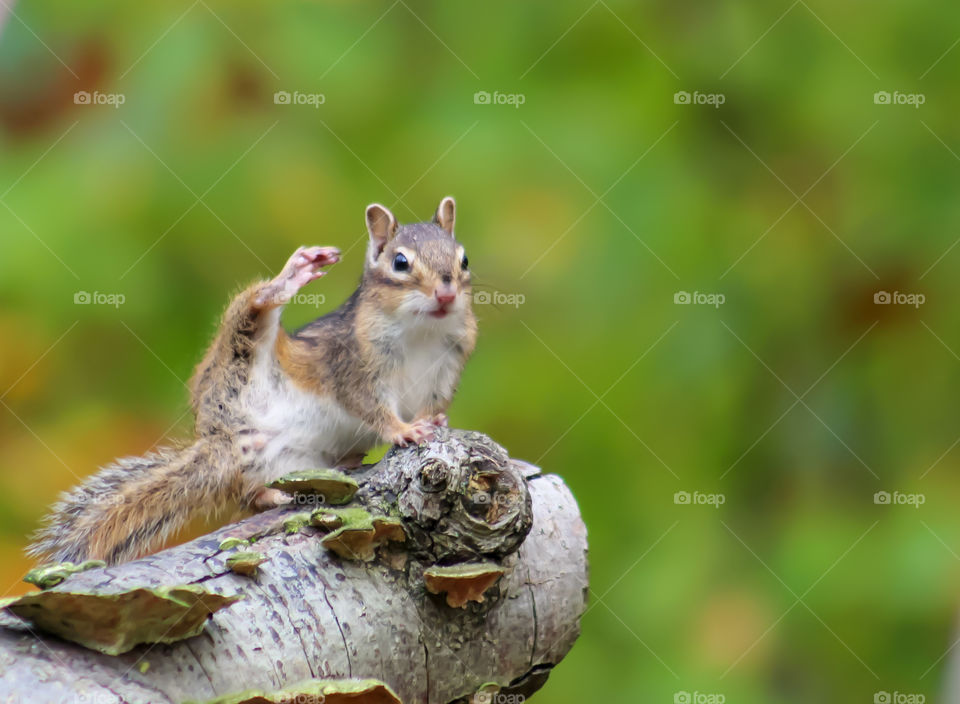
(308, 613)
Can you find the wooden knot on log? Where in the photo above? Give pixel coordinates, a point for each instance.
(462, 498)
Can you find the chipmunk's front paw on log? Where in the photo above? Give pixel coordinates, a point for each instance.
(415, 433)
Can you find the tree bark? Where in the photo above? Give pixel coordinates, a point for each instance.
(309, 613)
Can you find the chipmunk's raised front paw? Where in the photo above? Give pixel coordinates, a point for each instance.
(305, 264)
(303, 267)
(414, 433)
(440, 420)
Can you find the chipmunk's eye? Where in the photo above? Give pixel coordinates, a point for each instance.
(464, 262)
(400, 263)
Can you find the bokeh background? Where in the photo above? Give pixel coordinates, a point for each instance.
(591, 198)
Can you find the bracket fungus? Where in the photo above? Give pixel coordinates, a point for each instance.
(327, 691)
(462, 583)
(357, 534)
(113, 623)
(331, 485)
(245, 563)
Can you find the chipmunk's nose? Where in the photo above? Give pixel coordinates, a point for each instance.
(445, 294)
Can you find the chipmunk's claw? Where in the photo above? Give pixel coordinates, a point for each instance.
(415, 433)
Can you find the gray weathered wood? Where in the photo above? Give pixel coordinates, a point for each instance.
(311, 614)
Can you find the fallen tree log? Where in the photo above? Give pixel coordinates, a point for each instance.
(442, 571)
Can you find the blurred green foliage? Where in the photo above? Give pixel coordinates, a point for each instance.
(597, 200)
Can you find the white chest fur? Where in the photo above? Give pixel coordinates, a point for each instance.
(428, 369)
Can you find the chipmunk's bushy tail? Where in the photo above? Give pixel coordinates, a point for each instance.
(130, 507)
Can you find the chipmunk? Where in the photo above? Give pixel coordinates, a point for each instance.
(381, 367)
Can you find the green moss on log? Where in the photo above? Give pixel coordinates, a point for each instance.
(294, 523)
(51, 574)
(231, 543)
(333, 518)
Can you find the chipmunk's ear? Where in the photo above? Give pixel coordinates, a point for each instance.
(382, 226)
(446, 214)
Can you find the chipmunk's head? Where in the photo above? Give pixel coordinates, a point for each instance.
(420, 270)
